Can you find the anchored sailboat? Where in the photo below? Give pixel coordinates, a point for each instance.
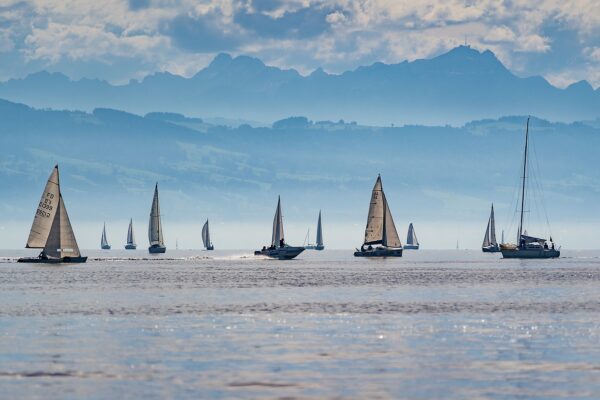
(319, 245)
(279, 248)
(528, 246)
(130, 237)
(155, 235)
(490, 244)
(412, 243)
(380, 228)
(51, 229)
(206, 237)
(103, 242)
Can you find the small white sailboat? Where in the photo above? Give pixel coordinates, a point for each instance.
(51, 229)
(528, 246)
(490, 244)
(380, 228)
(319, 244)
(206, 237)
(279, 249)
(412, 243)
(103, 241)
(130, 245)
(155, 235)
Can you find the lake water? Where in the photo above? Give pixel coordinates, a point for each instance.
(223, 324)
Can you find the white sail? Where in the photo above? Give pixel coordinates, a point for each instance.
(103, 240)
(493, 240)
(46, 211)
(61, 239)
(486, 237)
(390, 234)
(130, 235)
(155, 235)
(205, 235)
(319, 231)
(277, 225)
(374, 229)
(411, 237)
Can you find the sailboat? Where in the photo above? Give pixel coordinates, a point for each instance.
(51, 229)
(279, 248)
(490, 244)
(155, 235)
(412, 243)
(206, 237)
(103, 242)
(319, 245)
(130, 237)
(380, 228)
(528, 246)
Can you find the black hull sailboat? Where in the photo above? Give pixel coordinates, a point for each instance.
(528, 247)
(279, 249)
(155, 235)
(51, 229)
(380, 229)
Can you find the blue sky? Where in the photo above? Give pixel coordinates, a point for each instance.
(119, 40)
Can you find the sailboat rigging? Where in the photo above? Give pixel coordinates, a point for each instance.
(279, 249)
(528, 246)
(380, 228)
(51, 230)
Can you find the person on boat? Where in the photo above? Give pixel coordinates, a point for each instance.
(362, 247)
(43, 255)
(264, 248)
(370, 247)
(552, 245)
(546, 245)
(281, 242)
(522, 244)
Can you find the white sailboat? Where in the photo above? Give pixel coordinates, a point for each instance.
(51, 229)
(490, 244)
(380, 228)
(206, 237)
(103, 241)
(155, 235)
(528, 246)
(412, 243)
(130, 245)
(279, 249)
(319, 244)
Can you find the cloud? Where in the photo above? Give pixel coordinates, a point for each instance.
(529, 36)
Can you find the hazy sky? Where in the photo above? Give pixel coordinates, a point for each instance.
(118, 39)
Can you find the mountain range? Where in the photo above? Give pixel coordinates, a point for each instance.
(461, 85)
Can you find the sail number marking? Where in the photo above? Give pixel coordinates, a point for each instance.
(45, 206)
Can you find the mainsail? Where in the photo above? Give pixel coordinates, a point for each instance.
(411, 237)
(206, 235)
(380, 224)
(103, 240)
(130, 236)
(489, 238)
(319, 231)
(155, 235)
(51, 228)
(277, 225)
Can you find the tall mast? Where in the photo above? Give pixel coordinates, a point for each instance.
(524, 179)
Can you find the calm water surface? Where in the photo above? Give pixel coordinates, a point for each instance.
(433, 324)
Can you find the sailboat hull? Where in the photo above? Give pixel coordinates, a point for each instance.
(157, 249)
(210, 248)
(379, 252)
(281, 253)
(130, 247)
(491, 249)
(530, 253)
(411, 247)
(64, 260)
(106, 247)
